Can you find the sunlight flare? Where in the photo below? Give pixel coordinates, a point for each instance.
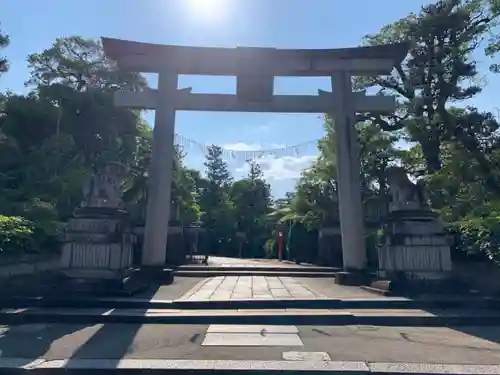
(207, 10)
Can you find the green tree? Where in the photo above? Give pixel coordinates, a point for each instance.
(77, 78)
(216, 205)
(316, 201)
(439, 69)
(80, 64)
(55, 136)
(493, 45)
(251, 197)
(184, 193)
(4, 42)
(216, 168)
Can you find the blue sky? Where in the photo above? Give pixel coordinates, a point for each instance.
(34, 25)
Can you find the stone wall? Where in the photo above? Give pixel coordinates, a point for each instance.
(482, 276)
(176, 246)
(330, 247)
(28, 265)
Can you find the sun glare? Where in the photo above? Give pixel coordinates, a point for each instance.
(207, 10)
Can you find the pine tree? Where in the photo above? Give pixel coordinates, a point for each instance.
(216, 168)
(4, 42)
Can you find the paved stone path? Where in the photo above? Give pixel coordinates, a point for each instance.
(232, 262)
(250, 287)
(249, 263)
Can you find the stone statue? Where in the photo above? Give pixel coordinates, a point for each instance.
(405, 195)
(104, 189)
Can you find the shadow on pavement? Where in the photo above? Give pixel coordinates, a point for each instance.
(112, 341)
(32, 341)
(491, 334)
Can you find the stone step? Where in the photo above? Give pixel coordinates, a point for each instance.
(251, 272)
(270, 268)
(76, 366)
(235, 304)
(378, 317)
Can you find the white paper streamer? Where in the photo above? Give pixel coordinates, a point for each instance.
(240, 155)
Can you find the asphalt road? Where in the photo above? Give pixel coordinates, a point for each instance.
(464, 345)
(349, 343)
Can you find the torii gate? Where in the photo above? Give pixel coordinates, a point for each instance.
(255, 69)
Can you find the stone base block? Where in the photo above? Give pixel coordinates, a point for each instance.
(58, 284)
(414, 248)
(413, 287)
(122, 286)
(31, 285)
(82, 256)
(352, 278)
(417, 262)
(160, 275)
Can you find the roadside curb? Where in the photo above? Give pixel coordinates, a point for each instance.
(277, 268)
(306, 318)
(314, 303)
(165, 366)
(249, 272)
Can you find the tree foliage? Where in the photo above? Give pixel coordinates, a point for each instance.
(453, 147)
(66, 126)
(4, 42)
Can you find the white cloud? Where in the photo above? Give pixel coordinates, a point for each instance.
(242, 146)
(274, 146)
(274, 168)
(284, 168)
(404, 145)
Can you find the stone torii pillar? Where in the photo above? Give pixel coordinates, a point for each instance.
(348, 168)
(160, 173)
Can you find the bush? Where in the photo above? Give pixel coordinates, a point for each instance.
(477, 236)
(270, 248)
(17, 235)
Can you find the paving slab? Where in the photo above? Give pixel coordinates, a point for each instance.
(329, 289)
(221, 328)
(261, 263)
(252, 339)
(250, 287)
(177, 289)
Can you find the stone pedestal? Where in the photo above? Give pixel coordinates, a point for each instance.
(414, 248)
(97, 250)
